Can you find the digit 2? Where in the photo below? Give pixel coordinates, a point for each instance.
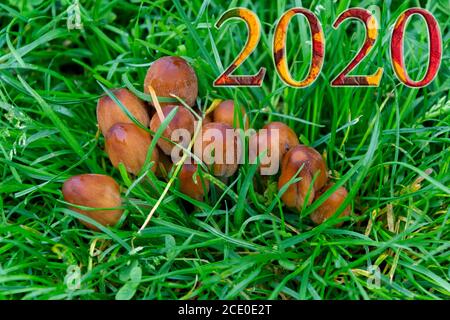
(254, 33)
(371, 26)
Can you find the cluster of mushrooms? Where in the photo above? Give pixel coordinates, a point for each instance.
(128, 144)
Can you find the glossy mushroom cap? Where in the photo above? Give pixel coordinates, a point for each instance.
(225, 113)
(277, 138)
(128, 144)
(191, 183)
(312, 166)
(218, 146)
(109, 113)
(296, 193)
(329, 207)
(183, 119)
(287, 137)
(269, 160)
(172, 75)
(94, 191)
(315, 164)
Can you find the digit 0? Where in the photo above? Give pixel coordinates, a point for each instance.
(371, 25)
(435, 48)
(254, 33)
(279, 48)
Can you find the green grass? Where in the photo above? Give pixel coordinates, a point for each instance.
(389, 146)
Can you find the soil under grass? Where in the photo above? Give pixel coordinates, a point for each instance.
(389, 146)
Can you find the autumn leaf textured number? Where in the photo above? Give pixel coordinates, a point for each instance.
(371, 25)
(435, 47)
(254, 33)
(279, 48)
(318, 49)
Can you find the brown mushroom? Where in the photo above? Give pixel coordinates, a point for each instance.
(183, 119)
(329, 207)
(94, 191)
(277, 138)
(191, 183)
(218, 146)
(287, 137)
(109, 113)
(128, 144)
(261, 143)
(313, 167)
(295, 194)
(225, 113)
(172, 75)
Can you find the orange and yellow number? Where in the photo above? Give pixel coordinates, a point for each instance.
(279, 48)
(254, 33)
(435, 48)
(371, 25)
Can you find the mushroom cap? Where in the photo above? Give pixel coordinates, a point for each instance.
(296, 193)
(313, 166)
(109, 113)
(193, 187)
(224, 160)
(95, 191)
(258, 143)
(128, 144)
(172, 75)
(329, 207)
(225, 113)
(286, 135)
(314, 162)
(183, 119)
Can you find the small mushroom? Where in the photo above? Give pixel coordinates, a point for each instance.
(128, 144)
(183, 119)
(315, 164)
(109, 113)
(218, 146)
(287, 137)
(94, 191)
(277, 138)
(313, 167)
(172, 75)
(329, 207)
(191, 183)
(258, 144)
(225, 113)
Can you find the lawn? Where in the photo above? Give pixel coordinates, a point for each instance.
(388, 145)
